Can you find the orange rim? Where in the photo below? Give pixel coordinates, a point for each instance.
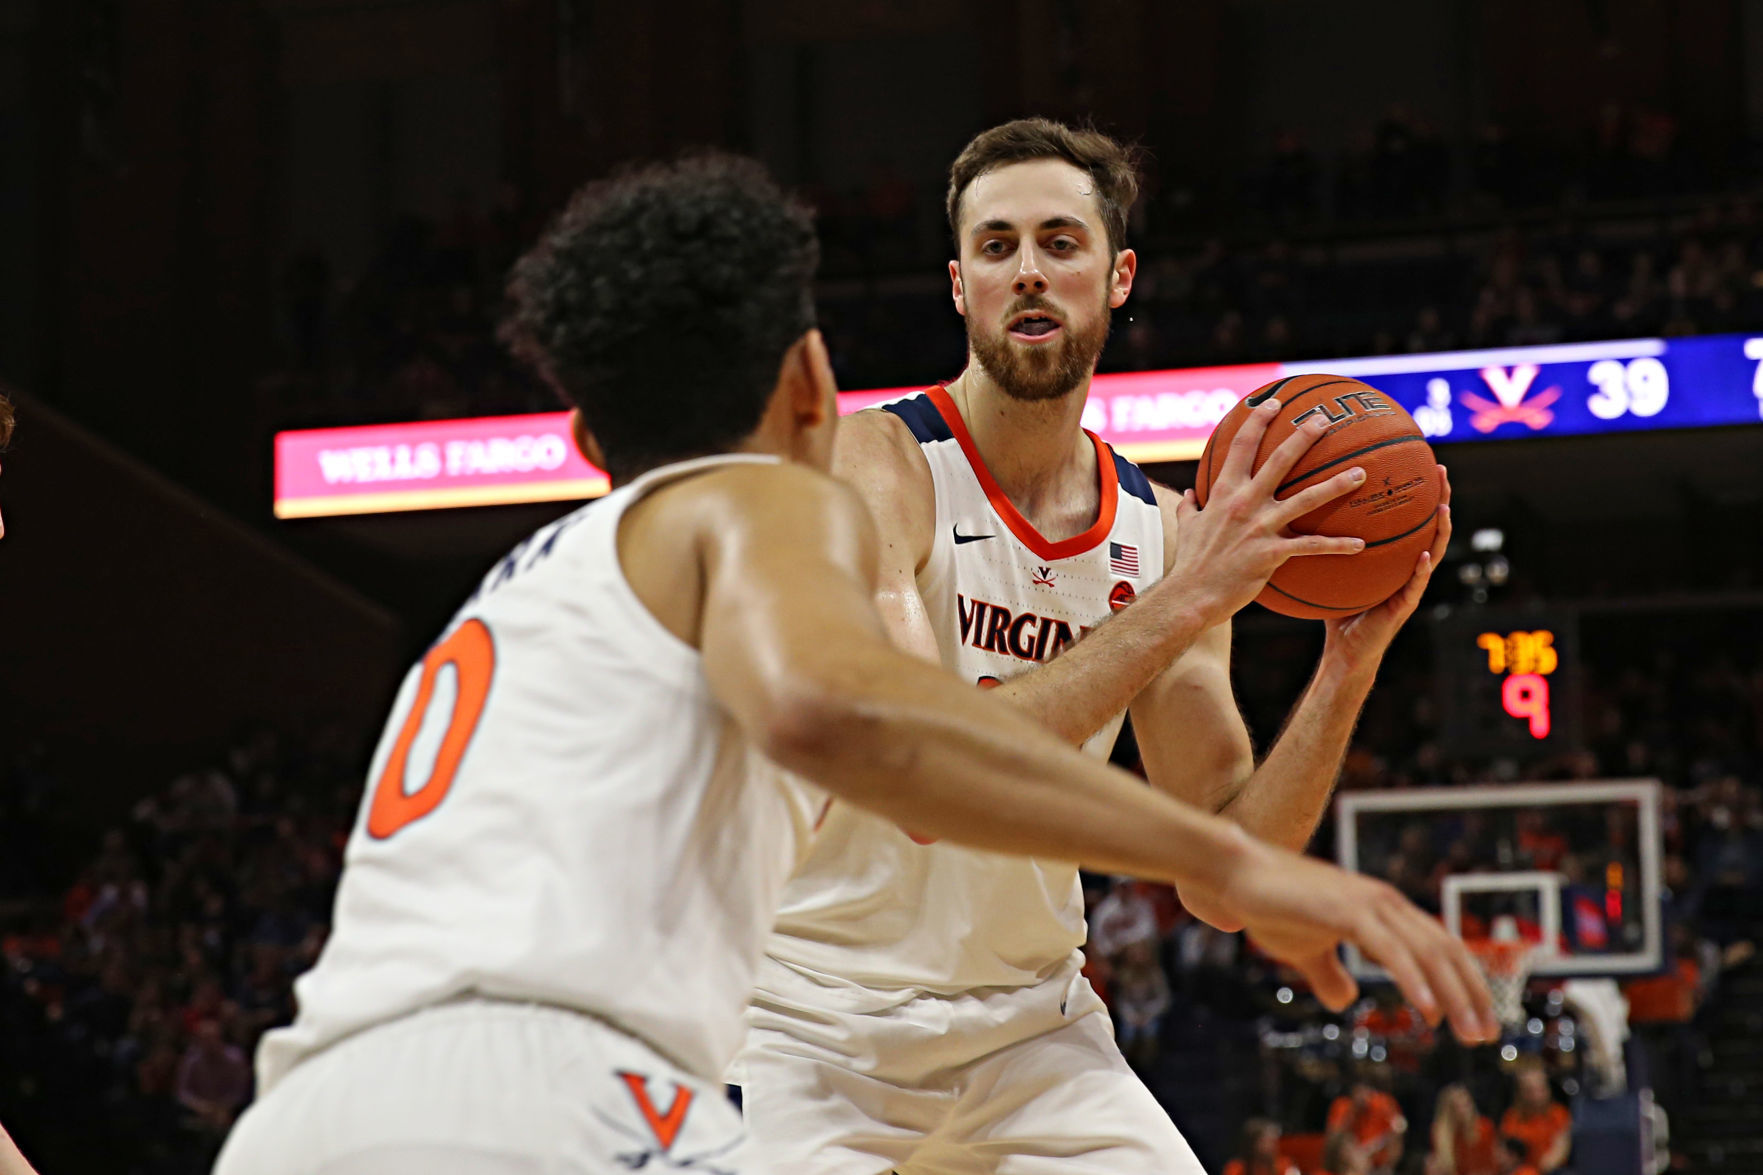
(1500, 958)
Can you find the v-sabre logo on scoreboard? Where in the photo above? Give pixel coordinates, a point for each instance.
(1510, 405)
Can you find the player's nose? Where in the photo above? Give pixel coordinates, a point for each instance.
(1029, 278)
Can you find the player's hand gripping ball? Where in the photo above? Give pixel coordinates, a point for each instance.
(1395, 510)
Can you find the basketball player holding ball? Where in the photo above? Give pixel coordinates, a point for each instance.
(921, 1008)
(578, 820)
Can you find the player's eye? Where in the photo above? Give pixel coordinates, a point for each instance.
(1062, 244)
(993, 247)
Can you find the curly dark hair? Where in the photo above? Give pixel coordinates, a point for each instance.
(1112, 164)
(5, 421)
(661, 303)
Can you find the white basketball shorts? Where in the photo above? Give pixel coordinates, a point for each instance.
(480, 1087)
(841, 1080)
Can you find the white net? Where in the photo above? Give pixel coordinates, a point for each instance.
(1506, 965)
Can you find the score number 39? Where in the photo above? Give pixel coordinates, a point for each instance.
(1640, 387)
(1526, 659)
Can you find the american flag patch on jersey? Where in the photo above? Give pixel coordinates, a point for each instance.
(1122, 559)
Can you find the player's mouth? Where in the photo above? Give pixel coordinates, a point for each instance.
(1034, 327)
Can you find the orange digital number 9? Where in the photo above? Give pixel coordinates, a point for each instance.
(472, 653)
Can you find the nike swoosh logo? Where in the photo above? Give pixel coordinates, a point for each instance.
(969, 538)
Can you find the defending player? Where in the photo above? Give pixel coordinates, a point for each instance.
(922, 1008)
(574, 834)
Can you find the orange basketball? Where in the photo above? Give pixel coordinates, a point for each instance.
(1395, 510)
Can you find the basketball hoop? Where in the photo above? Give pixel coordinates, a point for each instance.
(1506, 966)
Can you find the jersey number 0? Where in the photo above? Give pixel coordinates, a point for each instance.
(472, 653)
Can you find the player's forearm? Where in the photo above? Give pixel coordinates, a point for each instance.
(12, 1162)
(937, 756)
(1078, 692)
(1283, 801)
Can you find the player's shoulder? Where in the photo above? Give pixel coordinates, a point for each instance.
(764, 491)
(877, 438)
(879, 454)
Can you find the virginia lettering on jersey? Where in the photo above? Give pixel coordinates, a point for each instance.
(1027, 636)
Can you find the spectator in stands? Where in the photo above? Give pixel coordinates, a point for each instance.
(1342, 1156)
(1538, 1120)
(214, 1079)
(1127, 915)
(1258, 1152)
(1404, 1032)
(1141, 998)
(1373, 1120)
(1511, 1155)
(1462, 1137)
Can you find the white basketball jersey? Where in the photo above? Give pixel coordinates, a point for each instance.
(873, 905)
(559, 812)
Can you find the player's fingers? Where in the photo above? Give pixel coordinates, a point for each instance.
(1319, 495)
(1441, 538)
(1331, 982)
(1280, 462)
(1407, 598)
(1436, 952)
(1444, 486)
(1239, 459)
(1321, 544)
(1480, 998)
(1389, 951)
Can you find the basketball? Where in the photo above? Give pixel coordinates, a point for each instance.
(1395, 511)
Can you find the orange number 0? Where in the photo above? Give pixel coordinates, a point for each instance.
(472, 653)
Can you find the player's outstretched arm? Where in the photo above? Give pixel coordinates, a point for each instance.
(1243, 539)
(793, 647)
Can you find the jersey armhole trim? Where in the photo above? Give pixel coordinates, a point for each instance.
(1019, 526)
(1132, 479)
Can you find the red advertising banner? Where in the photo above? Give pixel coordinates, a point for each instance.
(426, 465)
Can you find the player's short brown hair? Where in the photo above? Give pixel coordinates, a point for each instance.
(5, 421)
(1112, 164)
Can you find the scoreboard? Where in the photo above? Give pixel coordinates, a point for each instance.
(1512, 393)
(1508, 682)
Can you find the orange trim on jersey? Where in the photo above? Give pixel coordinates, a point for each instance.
(666, 1127)
(1019, 526)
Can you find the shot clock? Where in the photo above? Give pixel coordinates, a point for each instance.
(1508, 682)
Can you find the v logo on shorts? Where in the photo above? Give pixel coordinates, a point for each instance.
(666, 1126)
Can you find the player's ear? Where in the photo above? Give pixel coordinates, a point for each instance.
(955, 289)
(1126, 267)
(807, 390)
(584, 439)
(823, 390)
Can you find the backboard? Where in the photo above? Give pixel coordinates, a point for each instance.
(1575, 865)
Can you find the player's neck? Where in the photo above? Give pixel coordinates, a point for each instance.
(1036, 450)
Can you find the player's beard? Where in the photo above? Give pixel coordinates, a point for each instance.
(1034, 373)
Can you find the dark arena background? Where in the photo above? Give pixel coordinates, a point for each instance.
(253, 254)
